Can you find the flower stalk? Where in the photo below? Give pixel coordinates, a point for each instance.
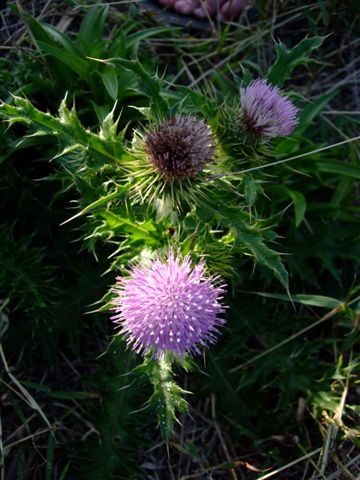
(167, 397)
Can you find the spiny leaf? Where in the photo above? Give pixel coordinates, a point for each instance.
(114, 224)
(67, 127)
(151, 85)
(249, 235)
(287, 60)
(119, 190)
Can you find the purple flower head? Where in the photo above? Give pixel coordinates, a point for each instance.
(266, 112)
(169, 307)
(180, 147)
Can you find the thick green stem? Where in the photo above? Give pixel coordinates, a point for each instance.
(167, 397)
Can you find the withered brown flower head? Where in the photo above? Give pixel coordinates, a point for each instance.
(180, 147)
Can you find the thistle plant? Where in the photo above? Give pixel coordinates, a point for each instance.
(167, 303)
(169, 309)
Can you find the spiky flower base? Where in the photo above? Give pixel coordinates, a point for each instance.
(169, 160)
(233, 134)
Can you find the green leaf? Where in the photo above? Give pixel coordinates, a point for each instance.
(311, 110)
(325, 400)
(324, 12)
(101, 201)
(4, 323)
(110, 81)
(252, 188)
(73, 62)
(287, 60)
(36, 386)
(50, 457)
(345, 184)
(92, 29)
(336, 167)
(72, 395)
(41, 36)
(145, 231)
(304, 299)
(133, 40)
(101, 111)
(248, 235)
(64, 472)
(20, 465)
(60, 38)
(117, 47)
(128, 84)
(228, 87)
(151, 85)
(299, 205)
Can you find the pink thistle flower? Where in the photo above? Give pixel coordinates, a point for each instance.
(169, 307)
(180, 147)
(265, 112)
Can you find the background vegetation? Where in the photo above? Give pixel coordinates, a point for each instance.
(278, 396)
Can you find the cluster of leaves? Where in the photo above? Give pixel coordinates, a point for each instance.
(232, 225)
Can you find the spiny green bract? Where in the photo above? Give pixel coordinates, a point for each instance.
(150, 184)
